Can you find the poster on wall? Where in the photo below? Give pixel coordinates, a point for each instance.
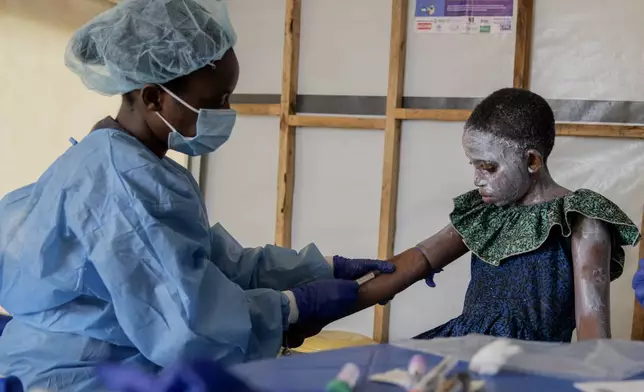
(464, 16)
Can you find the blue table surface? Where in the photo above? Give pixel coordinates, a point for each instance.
(311, 372)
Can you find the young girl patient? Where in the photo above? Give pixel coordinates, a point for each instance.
(542, 256)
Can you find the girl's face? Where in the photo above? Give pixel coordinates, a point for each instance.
(500, 167)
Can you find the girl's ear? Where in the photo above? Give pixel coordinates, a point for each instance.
(535, 161)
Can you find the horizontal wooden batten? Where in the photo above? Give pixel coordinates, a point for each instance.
(336, 122)
(601, 130)
(251, 109)
(432, 114)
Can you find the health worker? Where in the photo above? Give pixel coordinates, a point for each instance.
(109, 256)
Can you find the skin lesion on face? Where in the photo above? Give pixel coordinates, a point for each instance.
(507, 173)
(500, 167)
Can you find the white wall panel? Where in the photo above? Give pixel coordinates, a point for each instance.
(588, 49)
(345, 47)
(337, 198)
(260, 39)
(241, 181)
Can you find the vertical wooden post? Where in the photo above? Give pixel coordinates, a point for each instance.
(286, 166)
(523, 45)
(637, 332)
(391, 159)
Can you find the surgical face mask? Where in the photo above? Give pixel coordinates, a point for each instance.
(214, 127)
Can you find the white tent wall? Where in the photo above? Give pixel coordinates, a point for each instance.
(239, 181)
(337, 198)
(580, 51)
(588, 49)
(42, 103)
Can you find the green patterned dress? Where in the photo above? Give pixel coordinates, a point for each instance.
(522, 282)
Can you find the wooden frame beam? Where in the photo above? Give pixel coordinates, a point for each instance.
(432, 114)
(391, 159)
(250, 109)
(601, 130)
(286, 165)
(336, 122)
(523, 44)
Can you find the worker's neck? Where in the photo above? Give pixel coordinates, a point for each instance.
(135, 125)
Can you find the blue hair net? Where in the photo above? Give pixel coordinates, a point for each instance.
(141, 42)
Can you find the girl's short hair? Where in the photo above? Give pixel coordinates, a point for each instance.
(516, 114)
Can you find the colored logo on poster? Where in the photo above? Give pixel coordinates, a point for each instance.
(424, 26)
(485, 29)
(429, 10)
(507, 26)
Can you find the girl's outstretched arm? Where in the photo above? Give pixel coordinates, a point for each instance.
(591, 253)
(414, 264)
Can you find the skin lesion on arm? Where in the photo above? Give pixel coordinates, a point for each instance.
(591, 245)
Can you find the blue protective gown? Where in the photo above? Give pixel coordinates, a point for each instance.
(109, 256)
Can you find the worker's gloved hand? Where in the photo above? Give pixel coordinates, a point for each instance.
(638, 283)
(10, 384)
(352, 269)
(328, 299)
(297, 333)
(192, 376)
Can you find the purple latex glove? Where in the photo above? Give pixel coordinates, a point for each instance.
(10, 384)
(192, 376)
(352, 269)
(638, 283)
(328, 299)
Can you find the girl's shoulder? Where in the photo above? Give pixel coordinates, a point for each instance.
(495, 233)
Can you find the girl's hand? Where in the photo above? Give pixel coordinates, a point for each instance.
(638, 283)
(430, 279)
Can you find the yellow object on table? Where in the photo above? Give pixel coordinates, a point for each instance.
(332, 340)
